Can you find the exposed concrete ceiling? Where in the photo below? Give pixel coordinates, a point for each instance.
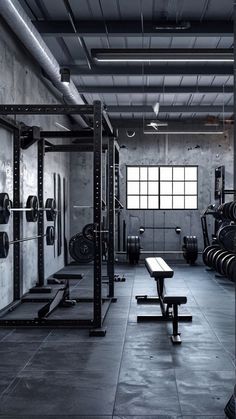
(184, 91)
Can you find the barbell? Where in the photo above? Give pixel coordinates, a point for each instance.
(189, 249)
(32, 208)
(5, 243)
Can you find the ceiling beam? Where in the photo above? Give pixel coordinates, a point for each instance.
(171, 108)
(136, 70)
(154, 89)
(93, 28)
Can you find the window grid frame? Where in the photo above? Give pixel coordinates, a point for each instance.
(159, 195)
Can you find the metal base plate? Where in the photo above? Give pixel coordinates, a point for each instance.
(160, 318)
(145, 299)
(41, 290)
(176, 340)
(101, 332)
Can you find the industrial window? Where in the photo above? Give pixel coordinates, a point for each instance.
(162, 187)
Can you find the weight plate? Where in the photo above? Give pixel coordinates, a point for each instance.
(133, 249)
(226, 237)
(211, 255)
(50, 235)
(71, 245)
(32, 202)
(228, 263)
(205, 252)
(5, 205)
(216, 254)
(232, 271)
(81, 249)
(233, 211)
(51, 214)
(225, 209)
(217, 262)
(224, 264)
(190, 249)
(4, 245)
(88, 231)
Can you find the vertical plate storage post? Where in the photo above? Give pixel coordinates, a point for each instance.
(111, 215)
(18, 284)
(97, 213)
(41, 145)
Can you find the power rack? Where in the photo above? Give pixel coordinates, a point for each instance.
(90, 139)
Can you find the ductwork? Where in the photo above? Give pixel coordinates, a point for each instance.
(21, 24)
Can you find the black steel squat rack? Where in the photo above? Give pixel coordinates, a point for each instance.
(86, 140)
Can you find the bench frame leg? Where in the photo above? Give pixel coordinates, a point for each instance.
(175, 338)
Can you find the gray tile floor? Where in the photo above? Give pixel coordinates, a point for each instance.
(134, 372)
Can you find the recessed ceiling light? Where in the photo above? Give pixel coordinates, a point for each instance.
(217, 55)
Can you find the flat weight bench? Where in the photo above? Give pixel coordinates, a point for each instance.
(159, 270)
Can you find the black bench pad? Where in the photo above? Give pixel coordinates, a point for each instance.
(158, 268)
(174, 299)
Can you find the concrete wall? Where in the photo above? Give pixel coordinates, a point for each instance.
(81, 189)
(21, 82)
(206, 151)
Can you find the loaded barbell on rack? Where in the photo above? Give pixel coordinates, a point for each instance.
(5, 243)
(189, 249)
(32, 208)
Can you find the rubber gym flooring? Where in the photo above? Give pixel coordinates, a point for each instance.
(134, 372)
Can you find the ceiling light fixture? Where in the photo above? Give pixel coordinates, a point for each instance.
(172, 26)
(143, 55)
(65, 75)
(183, 132)
(157, 124)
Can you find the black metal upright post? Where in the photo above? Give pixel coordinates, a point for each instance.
(111, 216)
(41, 145)
(234, 131)
(97, 214)
(17, 272)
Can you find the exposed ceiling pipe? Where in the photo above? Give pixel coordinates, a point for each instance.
(21, 24)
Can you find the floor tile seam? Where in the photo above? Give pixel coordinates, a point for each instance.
(31, 357)
(178, 395)
(210, 326)
(8, 334)
(65, 371)
(10, 385)
(219, 285)
(122, 353)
